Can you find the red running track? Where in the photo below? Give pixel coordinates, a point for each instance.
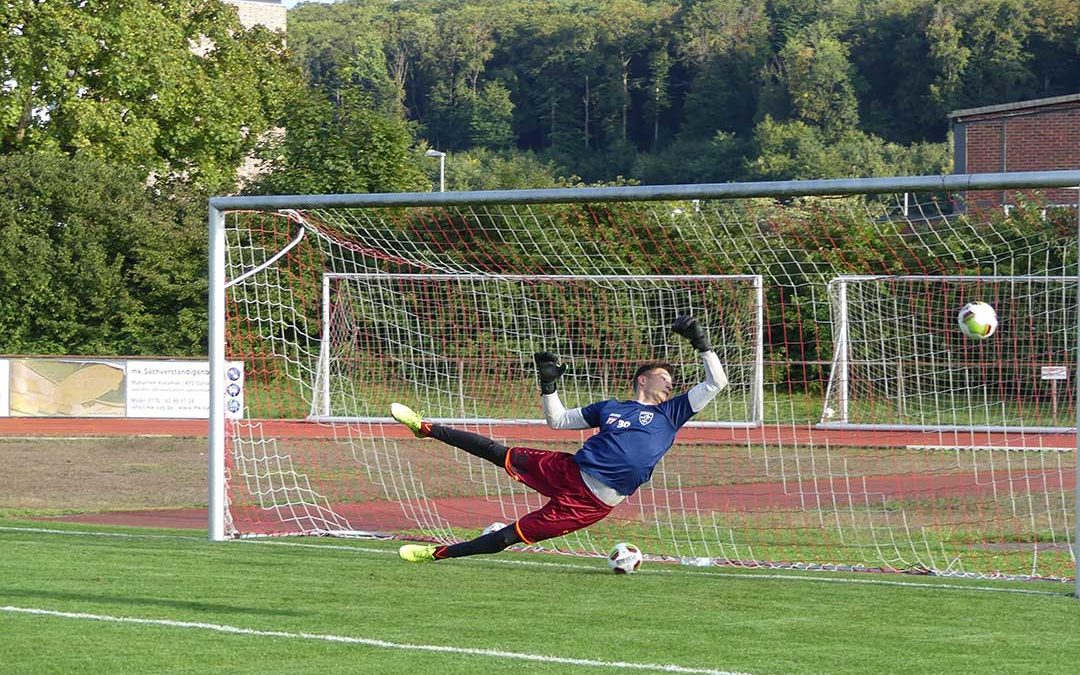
(469, 512)
(764, 435)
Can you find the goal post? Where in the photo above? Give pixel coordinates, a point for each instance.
(860, 430)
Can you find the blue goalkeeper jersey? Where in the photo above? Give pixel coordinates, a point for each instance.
(632, 439)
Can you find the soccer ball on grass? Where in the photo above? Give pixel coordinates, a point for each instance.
(977, 320)
(624, 558)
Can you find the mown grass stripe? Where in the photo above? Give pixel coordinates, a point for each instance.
(368, 642)
(811, 576)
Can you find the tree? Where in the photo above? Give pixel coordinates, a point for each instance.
(819, 80)
(889, 49)
(97, 264)
(626, 30)
(552, 54)
(459, 51)
(1055, 46)
(948, 60)
(592, 84)
(175, 88)
(659, 84)
(482, 169)
(340, 146)
(724, 44)
(408, 34)
(344, 48)
(491, 118)
(799, 151)
(719, 159)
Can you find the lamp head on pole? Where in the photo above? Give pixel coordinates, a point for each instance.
(442, 167)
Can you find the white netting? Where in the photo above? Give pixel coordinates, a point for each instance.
(900, 362)
(463, 345)
(443, 307)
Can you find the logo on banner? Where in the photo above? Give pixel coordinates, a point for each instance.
(644, 417)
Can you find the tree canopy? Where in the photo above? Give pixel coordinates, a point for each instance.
(118, 119)
(612, 87)
(176, 89)
(95, 263)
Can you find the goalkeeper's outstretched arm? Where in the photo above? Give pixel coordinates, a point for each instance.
(549, 371)
(715, 377)
(715, 380)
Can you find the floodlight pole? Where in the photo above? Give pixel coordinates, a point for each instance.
(442, 167)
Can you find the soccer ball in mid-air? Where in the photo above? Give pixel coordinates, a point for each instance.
(624, 558)
(978, 320)
(494, 527)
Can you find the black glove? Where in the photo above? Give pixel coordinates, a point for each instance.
(688, 327)
(548, 370)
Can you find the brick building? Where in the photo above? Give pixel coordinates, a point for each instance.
(1037, 135)
(269, 13)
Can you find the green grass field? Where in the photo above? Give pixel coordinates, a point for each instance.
(92, 599)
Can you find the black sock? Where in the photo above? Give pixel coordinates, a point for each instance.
(474, 444)
(492, 542)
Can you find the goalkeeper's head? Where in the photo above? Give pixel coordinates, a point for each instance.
(654, 380)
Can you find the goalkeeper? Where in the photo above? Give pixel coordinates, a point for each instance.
(584, 487)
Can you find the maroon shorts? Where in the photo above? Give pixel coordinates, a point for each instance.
(572, 505)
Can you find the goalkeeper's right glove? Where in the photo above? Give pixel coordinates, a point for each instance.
(548, 370)
(688, 327)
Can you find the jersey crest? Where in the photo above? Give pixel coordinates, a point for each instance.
(645, 416)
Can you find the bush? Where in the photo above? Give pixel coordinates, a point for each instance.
(96, 263)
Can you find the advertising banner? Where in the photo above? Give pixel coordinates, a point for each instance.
(180, 389)
(65, 388)
(5, 410)
(73, 387)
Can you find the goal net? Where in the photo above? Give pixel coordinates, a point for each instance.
(462, 344)
(861, 429)
(899, 361)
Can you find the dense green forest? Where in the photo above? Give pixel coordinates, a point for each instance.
(119, 119)
(665, 91)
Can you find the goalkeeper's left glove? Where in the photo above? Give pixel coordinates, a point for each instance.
(688, 327)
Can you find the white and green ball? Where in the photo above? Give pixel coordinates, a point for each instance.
(625, 558)
(977, 320)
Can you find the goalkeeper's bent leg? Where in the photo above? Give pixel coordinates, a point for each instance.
(474, 444)
(492, 542)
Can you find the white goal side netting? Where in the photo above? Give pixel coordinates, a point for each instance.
(861, 429)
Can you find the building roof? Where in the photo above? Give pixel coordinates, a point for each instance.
(1016, 106)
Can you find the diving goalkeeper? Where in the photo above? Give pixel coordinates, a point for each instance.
(582, 488)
